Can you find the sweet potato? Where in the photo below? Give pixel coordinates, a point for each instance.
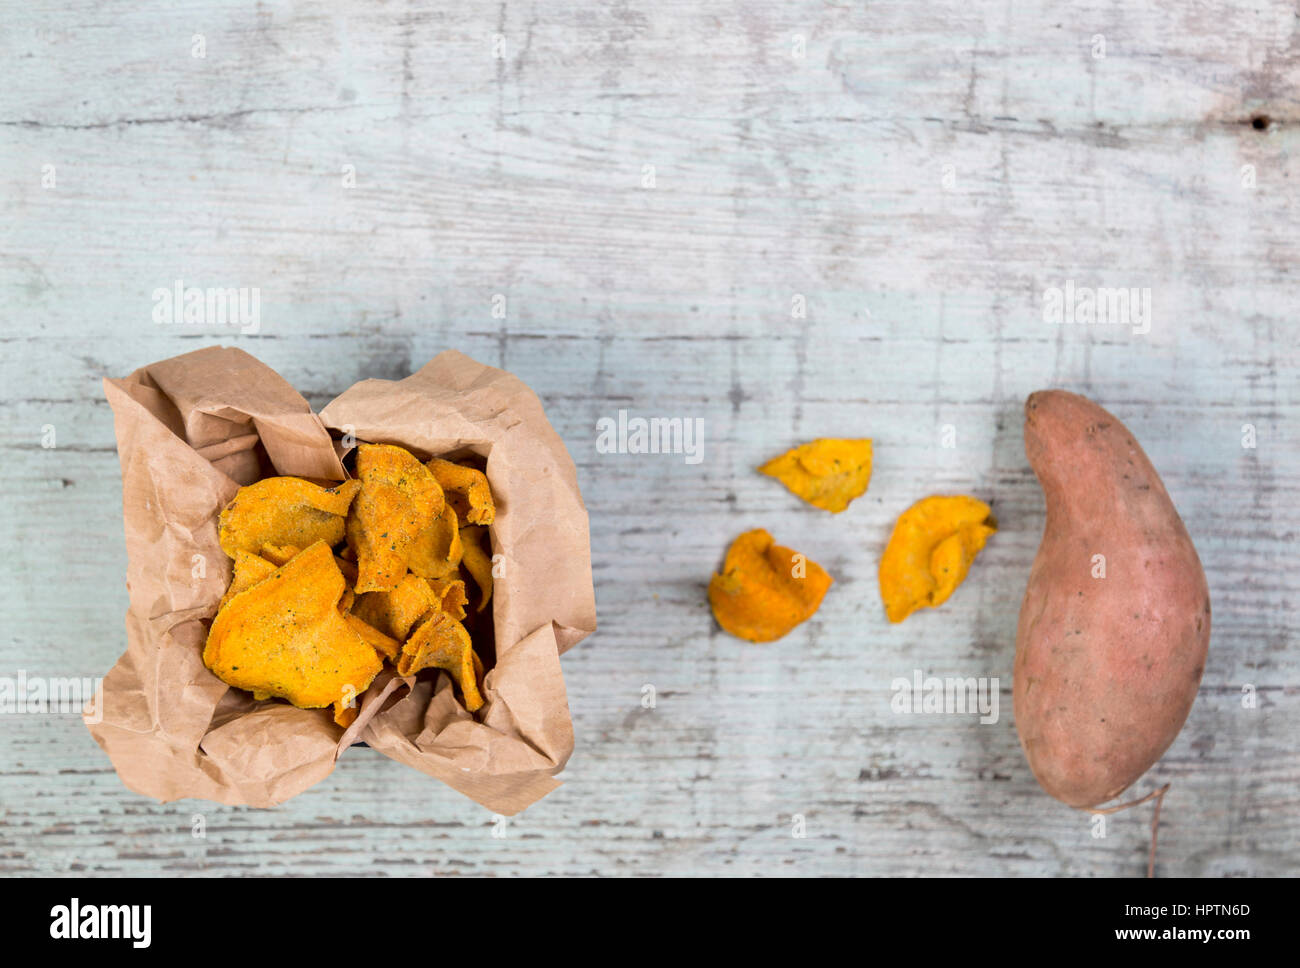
(1106, 668)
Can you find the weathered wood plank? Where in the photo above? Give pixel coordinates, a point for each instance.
(919, 178)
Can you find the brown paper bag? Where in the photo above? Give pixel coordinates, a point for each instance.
(193, 429)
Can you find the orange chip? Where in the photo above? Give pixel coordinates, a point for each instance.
(436, 551)
(765, 590)
(385, 645)
(249, 570)
(450, 595)
(348, 570)
(477, 562)
(345, 715)
(467, 491)
(827, 473)
(443, 643)
(286, 637)
(399, 498)
(395, 612)
(285, 511)
(279, 554)
(930, 552)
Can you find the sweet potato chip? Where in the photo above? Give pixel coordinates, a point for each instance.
(285, 636)
(285, 511)
(451, 597)
(395, 612)
(249, 570)
(385, 645)
(443, 643)
(345, 715)
(467, 491)
(827, 473)
(477, 561)
(348, 569)
(930, 552)
(399, 498)
(765, 590)
(279, 554)
(436, 551)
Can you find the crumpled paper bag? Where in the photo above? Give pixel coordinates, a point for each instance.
(190, 432)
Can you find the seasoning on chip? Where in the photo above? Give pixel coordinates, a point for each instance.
(930, 552)
(285, 636)
(467, 491)
(285, 511)
(828, 473)
(398, 499)
(764, 590)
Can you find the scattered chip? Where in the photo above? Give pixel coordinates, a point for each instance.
(930, 552)
(827, 473)
(285, 511)
(399, 498)
(443, 643)
(286, 637)
(466, 489)
(765, 590)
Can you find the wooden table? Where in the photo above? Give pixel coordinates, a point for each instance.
(629, 205)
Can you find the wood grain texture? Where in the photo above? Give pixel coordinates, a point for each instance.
(919, 177)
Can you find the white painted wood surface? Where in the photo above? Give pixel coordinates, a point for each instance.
(919, 176)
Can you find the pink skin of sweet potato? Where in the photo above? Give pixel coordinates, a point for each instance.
(1106, 669)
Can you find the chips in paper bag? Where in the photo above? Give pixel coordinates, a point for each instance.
(191, 432)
